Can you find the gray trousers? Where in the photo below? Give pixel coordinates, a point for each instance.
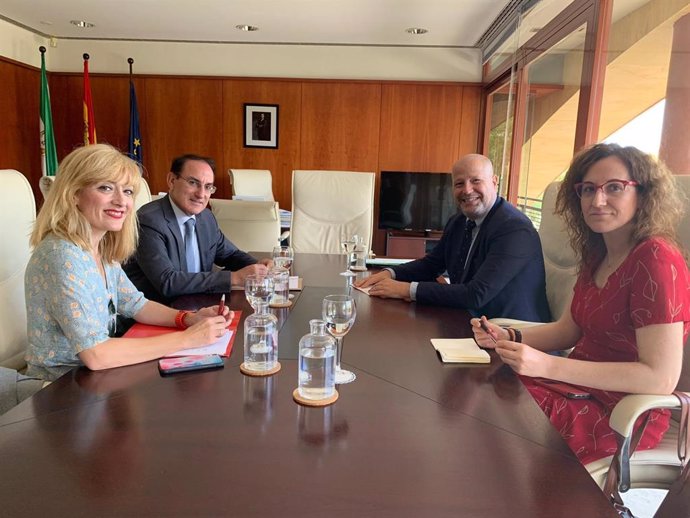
(15, 388)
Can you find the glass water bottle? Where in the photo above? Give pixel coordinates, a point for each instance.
(261, 339)
(316, 363)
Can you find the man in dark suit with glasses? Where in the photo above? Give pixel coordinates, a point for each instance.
(180, 241)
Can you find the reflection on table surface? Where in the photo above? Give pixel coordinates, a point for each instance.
(410, 437)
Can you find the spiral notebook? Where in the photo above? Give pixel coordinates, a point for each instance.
(460, 350)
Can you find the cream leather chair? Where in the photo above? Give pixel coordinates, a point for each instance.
(144, 195)
(328, 206)
(18, 213)
(250, 225)
(560, 262)
(254, 184)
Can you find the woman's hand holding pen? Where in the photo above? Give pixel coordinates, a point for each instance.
(487, 334)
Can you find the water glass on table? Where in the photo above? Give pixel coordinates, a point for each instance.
(348, 244)
(281, 285)
(283, 257)
(258, 288)
(339, 313)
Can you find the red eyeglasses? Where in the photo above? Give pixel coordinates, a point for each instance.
(611, 188)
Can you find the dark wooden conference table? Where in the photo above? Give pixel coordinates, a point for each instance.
(410, 437)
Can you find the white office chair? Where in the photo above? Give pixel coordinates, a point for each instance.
(328, 206)
(144, 195)
(251, 184)
(250, 225)
(17, 213)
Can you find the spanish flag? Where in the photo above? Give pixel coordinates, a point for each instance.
(89, 121)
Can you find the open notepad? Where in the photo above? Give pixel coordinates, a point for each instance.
(460, 350)
(222, 346)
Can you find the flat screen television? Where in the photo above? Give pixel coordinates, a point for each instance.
(415, 201)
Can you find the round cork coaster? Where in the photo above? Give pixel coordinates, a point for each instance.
(285, 304)
(249, 372)
(314, 402)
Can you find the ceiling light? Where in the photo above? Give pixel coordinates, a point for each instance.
(82, 24)
(417, 30)
(247, 28)
(45, 22)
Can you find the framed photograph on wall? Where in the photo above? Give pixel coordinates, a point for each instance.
(261, 125)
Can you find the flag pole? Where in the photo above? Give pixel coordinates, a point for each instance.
(135, 151)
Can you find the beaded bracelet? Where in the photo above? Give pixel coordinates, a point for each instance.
(515, 334)
(179, 319)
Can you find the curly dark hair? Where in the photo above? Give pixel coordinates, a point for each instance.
(659, 208)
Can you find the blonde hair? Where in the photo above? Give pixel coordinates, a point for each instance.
(660, 205)
(60, 216)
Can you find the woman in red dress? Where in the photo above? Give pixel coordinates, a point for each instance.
(630, 312)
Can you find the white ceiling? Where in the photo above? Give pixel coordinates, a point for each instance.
(451, 23)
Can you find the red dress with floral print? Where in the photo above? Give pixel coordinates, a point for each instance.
(652, 286)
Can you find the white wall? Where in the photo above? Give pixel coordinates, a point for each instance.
(210, 59)
(22, 45)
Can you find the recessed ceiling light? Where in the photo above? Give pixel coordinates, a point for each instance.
(82, 24)
(45, 22)
(247, 28)
(417, 30)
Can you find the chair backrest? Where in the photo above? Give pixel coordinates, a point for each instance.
(328, 206)
(144, 195)
(256, 184)
(17, 213)
(250, 225)
(560, 261)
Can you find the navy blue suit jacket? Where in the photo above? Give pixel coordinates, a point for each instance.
(159, 267)
(505, 271)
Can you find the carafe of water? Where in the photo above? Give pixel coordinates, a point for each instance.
(316, 379)
(260, 342)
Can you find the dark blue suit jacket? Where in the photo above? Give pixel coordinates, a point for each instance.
(505, 271)
(159, 267)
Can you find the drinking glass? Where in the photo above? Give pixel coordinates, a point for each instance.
(339, 313)
(258, 288)
(283, 256)
(348, 244)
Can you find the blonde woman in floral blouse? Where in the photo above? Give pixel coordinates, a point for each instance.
(74, 284)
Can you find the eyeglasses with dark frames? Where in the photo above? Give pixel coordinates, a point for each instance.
(196, 184)
(612, 188)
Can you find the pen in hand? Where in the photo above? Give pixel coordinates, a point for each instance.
(221, 306)
(485, 328)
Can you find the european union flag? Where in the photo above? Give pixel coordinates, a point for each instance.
(135, 151)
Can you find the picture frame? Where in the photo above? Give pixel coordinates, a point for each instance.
(261, 125)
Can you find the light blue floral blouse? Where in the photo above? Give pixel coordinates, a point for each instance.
(68, 305)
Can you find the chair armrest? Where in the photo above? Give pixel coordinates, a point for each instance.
(517, 324)
(631, 407)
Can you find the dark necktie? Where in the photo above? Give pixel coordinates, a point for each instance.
(466, 242)
(191, 249)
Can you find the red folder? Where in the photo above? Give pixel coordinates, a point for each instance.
(139, 330)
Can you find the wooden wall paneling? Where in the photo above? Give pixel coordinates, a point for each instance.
(181, 116)
(282, 161)
(340, 126)
(419, 127)
(19, 132)
(111, 110)
(67, 96)
(470, 122)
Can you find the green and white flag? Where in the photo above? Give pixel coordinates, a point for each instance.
(49, 162)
